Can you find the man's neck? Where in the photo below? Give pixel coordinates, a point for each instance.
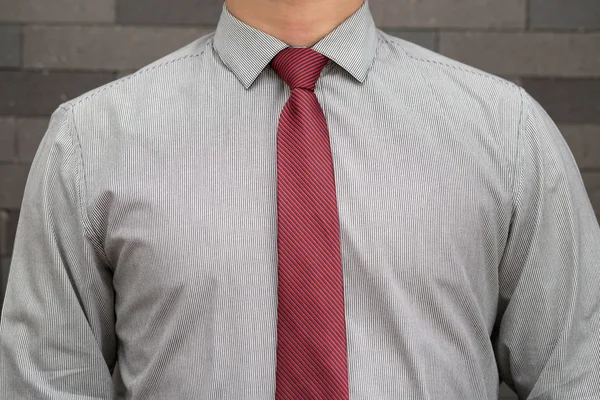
(299, 23)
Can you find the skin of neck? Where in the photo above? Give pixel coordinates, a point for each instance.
(299, 23)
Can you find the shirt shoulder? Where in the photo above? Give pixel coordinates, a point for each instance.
(424, 59)
(158, 75)
(449, 80)
(466, 97)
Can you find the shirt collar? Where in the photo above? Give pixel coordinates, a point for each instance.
(247, 51)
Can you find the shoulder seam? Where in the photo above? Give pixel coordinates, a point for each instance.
(457, 67)
(517, 157)
(81, 184)
(139, 72)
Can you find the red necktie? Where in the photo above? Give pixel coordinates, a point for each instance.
(311, 328)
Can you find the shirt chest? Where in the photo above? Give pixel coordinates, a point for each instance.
(204, 210)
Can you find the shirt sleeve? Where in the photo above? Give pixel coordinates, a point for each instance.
(547, 336)
(57, 336)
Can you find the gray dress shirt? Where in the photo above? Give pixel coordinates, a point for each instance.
(147, 234)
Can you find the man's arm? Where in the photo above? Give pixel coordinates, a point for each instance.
(57, 336)
(547, 340)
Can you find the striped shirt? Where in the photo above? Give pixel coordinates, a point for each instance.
(145, 260)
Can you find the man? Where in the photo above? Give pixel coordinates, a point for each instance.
(301, 206)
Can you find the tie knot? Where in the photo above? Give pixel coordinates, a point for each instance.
(299, 67)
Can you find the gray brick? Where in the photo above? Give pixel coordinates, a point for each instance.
(29, 134)
(568, 101)
(561, 14)
(20, 138)
(449, 13)
(161, 12)
(8, 229)
(12, 182)
(506, 393)
(39, 93)
(10, 46)
(427, 39)
(57, 10)
(584, 141)
(102, 48)
(592, 184)
(8, 128)
(529, 54)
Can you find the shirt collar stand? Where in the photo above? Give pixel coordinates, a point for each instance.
(247, 51)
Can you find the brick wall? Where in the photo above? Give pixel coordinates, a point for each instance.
(51, 51)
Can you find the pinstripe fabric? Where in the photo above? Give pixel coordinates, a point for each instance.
(311, 328)
(147, 234)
